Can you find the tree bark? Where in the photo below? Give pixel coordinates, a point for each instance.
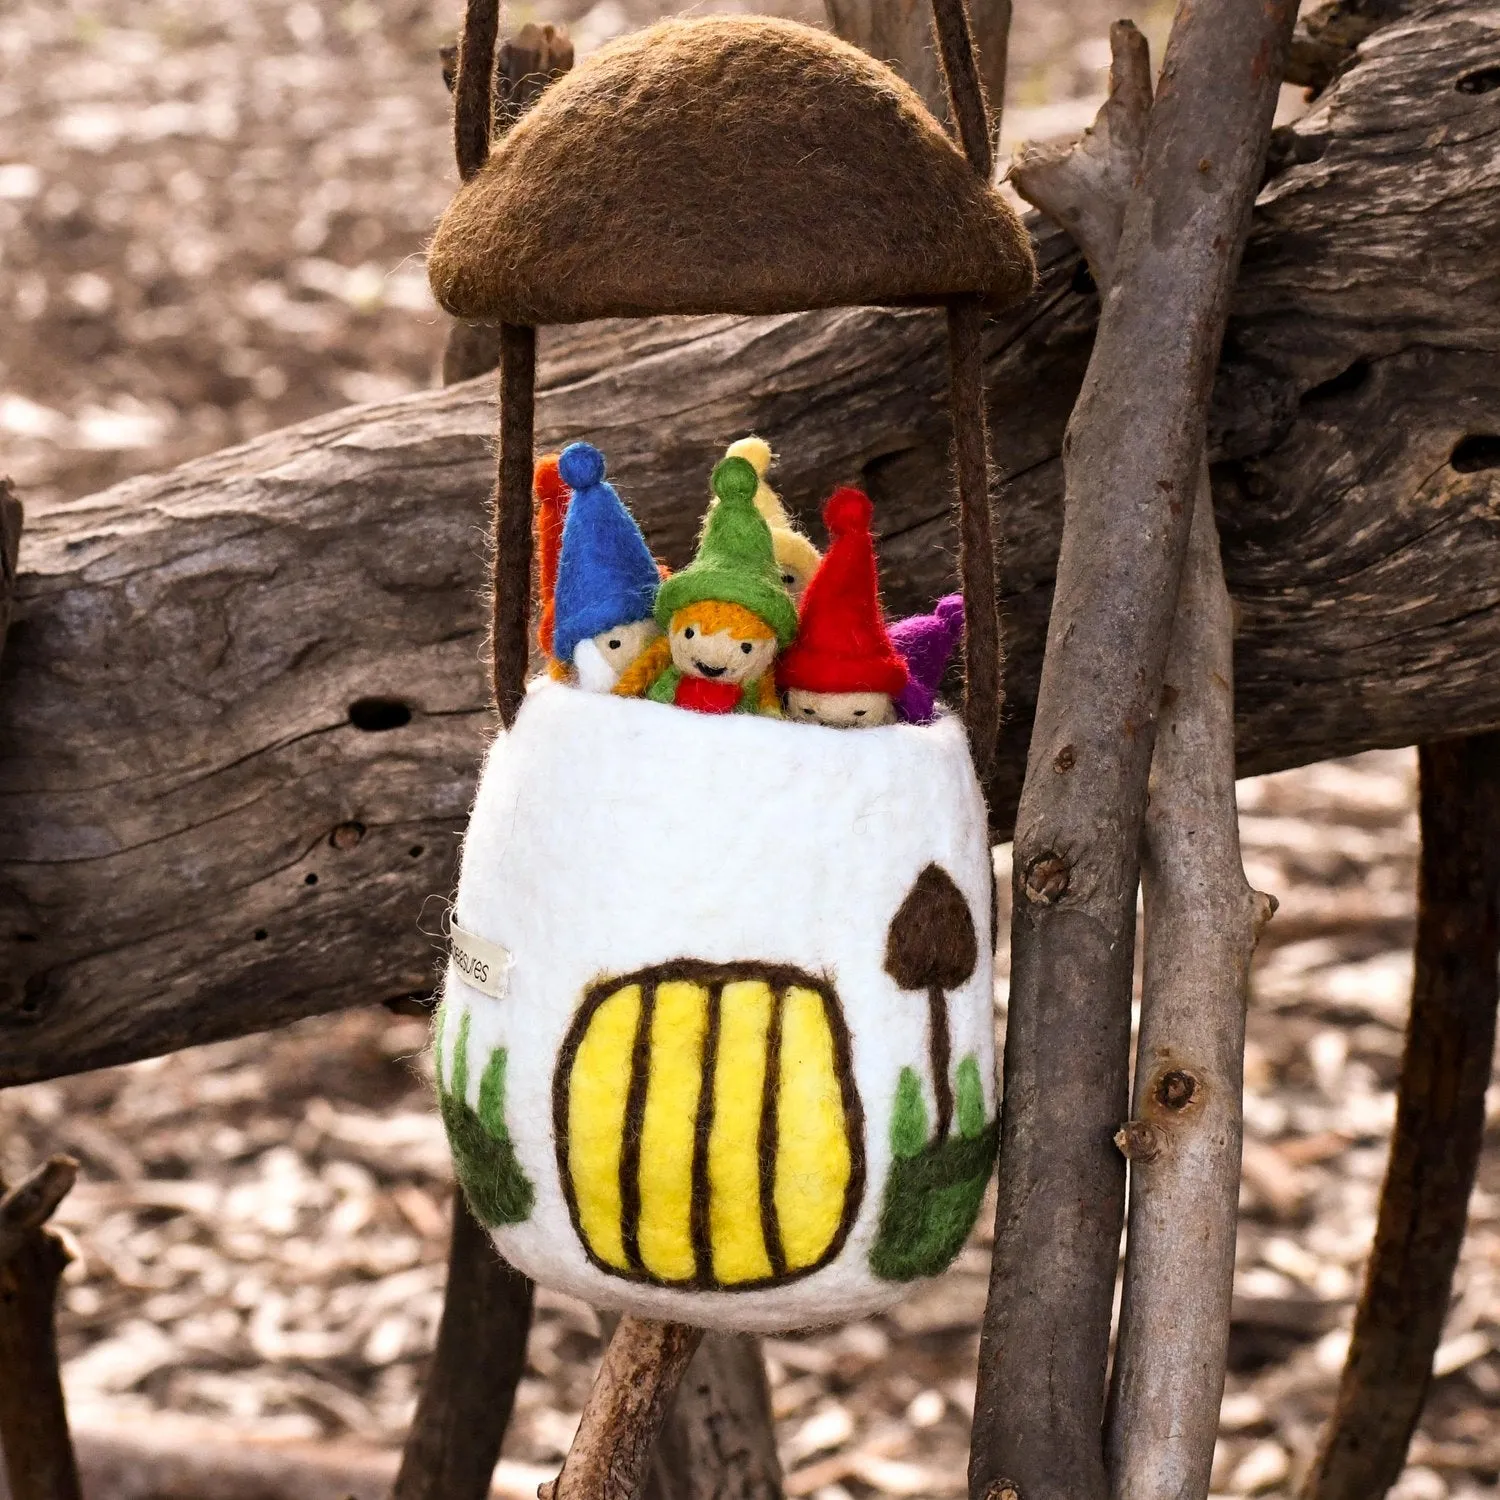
(220, 622)
(1450, 1040)
(1131, 464)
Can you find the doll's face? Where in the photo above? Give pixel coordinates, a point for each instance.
(720, 655)
(840, 710)
(793, 579)
(620, 646)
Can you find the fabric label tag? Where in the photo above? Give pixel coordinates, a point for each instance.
(479, 962)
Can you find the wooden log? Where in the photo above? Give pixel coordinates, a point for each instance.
(12, 517)
(1445, 1070)
(268, 665)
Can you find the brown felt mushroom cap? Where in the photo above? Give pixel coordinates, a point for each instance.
(724, 164)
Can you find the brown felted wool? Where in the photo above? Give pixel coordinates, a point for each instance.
(724, 164)
(931, 945)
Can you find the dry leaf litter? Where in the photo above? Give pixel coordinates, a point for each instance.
(211, 217)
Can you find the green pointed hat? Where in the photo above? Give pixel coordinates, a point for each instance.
(735, 563)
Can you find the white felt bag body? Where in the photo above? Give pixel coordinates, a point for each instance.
(722, 1051)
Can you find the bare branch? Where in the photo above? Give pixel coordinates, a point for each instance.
(1200, 929)
(628, 1403)
(1201, 923)
(34, 1437)
(1132, 464)
(470, 1387)
(12, 517)
(28, 1205)
(1084, 186)
(1450, 1039)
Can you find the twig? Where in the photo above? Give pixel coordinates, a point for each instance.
(1200, 929)
(34, 1438)
(28, 1205)
(1132, 461)
(639, 1375)
(1084, 186)
(1450, 1040)
(718, 1439)
(1201, 925)
(478, 1363)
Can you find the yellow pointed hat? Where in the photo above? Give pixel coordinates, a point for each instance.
(795, 555)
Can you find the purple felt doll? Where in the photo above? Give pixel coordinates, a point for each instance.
(925, 642)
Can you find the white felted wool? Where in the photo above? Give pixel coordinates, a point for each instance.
(706, 873)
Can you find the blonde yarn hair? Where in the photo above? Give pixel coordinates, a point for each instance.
(794, 553)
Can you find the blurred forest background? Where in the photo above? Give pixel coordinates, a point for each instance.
(211, 224)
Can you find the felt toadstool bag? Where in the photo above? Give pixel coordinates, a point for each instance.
(716, 1039)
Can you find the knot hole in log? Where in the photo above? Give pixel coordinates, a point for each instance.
(1047, 878)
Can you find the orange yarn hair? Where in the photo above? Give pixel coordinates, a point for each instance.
(551, 496)
(644, 670)
(714, 615)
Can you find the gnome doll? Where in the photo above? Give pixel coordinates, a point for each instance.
(796, 557)
(842, 669)
(606, 578)
(925, 643)
(725, 615)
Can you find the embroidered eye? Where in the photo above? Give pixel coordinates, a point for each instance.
(789, 580)
(746, 647)
(859, 713)
(687, 634)
(808, 712)
(614, 645)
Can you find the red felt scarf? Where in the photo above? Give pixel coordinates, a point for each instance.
(706, 696)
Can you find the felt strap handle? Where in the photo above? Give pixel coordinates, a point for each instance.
(473, 128)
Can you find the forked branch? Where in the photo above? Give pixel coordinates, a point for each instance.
(1133, 462)
(1200, 927)
(642, 1366)
(1083, 186)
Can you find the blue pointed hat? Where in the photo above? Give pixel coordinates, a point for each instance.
(606, 575)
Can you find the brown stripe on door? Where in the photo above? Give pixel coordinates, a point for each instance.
(630, 1146)
(702, 1235)
(769, 1137)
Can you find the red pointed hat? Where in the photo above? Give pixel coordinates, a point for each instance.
(842, 645)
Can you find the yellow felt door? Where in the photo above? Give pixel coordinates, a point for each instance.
(709, 1133)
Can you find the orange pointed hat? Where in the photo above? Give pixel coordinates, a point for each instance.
(842, 645)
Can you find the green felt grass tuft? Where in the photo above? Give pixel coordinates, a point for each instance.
(483, 1156)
